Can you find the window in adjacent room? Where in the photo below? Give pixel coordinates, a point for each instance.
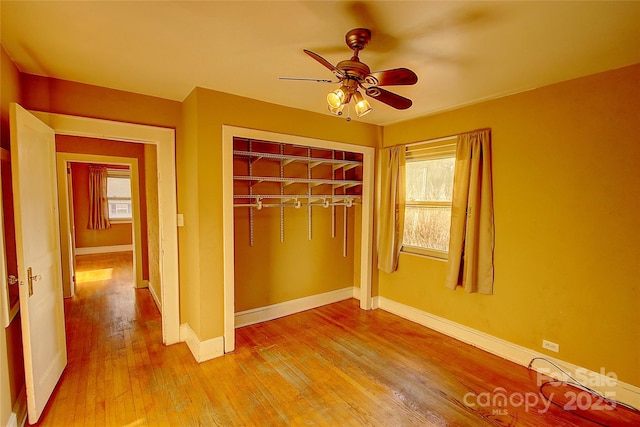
(429, 187)
(119, 194)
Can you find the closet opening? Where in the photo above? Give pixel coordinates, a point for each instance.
(297, 220)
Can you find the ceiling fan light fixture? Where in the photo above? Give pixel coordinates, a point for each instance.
(362, 105)
(337, 98)
(336, 110)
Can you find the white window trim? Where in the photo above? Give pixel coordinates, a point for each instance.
(429, 150)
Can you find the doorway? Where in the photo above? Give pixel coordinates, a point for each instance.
(166, 238)
(77, 239)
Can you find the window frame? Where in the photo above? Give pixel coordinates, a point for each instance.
(119, 173)
(422, 151)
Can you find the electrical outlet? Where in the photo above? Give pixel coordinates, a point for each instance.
(550, 346)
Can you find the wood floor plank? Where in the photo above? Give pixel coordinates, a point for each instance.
(335, 365)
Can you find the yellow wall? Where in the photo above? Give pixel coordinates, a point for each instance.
(567, 217)
(206, 111)
(188, 204)
(11, 360)
(78, 99)
(271, 272)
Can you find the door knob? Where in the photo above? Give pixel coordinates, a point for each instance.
(31, 278)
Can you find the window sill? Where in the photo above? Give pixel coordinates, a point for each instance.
(425, 253)
(121, 221)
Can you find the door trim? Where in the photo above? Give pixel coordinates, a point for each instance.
(164, 140)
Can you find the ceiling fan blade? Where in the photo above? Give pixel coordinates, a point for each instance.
(324, 62)
(305, 79)
(395, 77)
(389, 98)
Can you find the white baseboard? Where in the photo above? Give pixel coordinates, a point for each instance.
(103, 249)
(154, 296)
(617, 390)
(270, 312)
(201, 350)
(18, 417)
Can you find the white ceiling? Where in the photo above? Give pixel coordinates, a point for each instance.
(462, 52)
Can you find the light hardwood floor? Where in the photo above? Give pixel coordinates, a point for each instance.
(336, 365)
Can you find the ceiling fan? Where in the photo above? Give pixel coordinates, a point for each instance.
(354, 75)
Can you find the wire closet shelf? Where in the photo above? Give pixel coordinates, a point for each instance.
(339, 183)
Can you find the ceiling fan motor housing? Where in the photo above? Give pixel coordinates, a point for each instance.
(354, 69)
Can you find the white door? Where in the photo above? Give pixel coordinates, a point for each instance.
(35, 200)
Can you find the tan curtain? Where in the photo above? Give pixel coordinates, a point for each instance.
(472, 229)
(391, 205)
(98, 204)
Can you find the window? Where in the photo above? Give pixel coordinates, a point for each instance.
(429, 188)
(119, 194)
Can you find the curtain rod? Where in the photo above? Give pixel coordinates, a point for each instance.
(429, 141)
(444, 138)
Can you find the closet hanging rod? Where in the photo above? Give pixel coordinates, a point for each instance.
(294, 196)
(291, 205)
